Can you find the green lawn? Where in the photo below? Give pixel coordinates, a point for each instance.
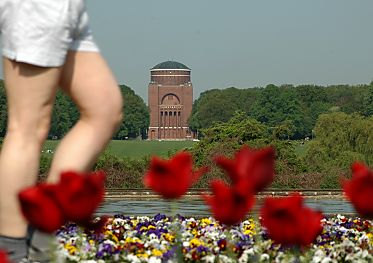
(300, 149)
(135, 148)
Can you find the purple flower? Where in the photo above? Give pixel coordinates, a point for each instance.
(168, 255)
(159, 217)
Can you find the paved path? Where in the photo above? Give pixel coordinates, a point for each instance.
(118, 194)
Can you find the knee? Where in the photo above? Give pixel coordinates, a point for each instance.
(29, 131)
(108, 117)
(114, 113)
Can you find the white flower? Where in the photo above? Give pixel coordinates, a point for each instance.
(225, 259)
(250, 251)
(244, 257)
(318, 256)
(153, 236)
(280, 257)
(154, 260)
(327, 260)
(154, 243)
(264, 257)
(132, 258)
(209, 259)
(119, 221)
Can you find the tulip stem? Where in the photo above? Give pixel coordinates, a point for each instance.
(173, 207)
(178, 240)
(230, 243)
(297, 253)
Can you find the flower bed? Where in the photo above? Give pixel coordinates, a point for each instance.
(288, 230)
(165, 239)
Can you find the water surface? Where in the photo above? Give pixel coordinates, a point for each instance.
(197, 207)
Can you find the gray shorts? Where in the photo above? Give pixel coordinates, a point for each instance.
(40, 32)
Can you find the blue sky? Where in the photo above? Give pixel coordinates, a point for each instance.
(240, 43)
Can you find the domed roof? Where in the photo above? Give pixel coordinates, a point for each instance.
(170, 65)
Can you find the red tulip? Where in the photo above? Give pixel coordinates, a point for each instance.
(3, 257)
(80, 194)
(359, 190)
(250, 170)
(290, 223)
(74, 198)
(39, 206)
(227, 206)
(172, 178)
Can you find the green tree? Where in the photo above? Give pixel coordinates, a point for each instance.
(64, 116)
(348, 98)
(340, 140)
(367, 105)
(216, 106)
(275, 105)
(136, 115)
(284, 130)
(313, 101)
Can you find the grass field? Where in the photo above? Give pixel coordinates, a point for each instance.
(135, 148)
(300, 149)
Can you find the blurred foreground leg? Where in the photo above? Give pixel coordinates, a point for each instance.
(87, 79)
(30, 95)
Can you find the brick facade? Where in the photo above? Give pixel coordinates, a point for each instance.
(170, 100)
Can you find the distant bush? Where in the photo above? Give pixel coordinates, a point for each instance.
(122, 172)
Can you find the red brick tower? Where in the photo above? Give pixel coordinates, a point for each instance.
(170, 99)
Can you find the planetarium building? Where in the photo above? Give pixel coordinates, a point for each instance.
(170, 99)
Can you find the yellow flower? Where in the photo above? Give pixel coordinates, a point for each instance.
(142, 255)
(111, 236)
(205, 222)
(168, 237)
(133, 240)
(249, 229)
(370, 236)
(157, 252)
(114, 238)
(70, 248)
(151, 227)
(248, 232)
(108, 232)
(195, 242)
(326, 246)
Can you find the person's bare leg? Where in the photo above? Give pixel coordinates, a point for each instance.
(89, 82)
(87, 79)
(30, 93)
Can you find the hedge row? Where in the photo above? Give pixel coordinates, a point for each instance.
(127, 173)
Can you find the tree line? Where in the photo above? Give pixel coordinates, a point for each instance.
(65, 114)
(339, 140)
(291, 110)
(338, 120)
